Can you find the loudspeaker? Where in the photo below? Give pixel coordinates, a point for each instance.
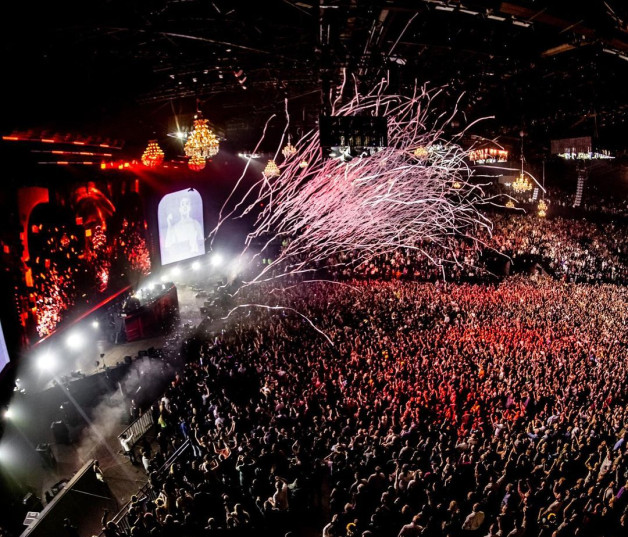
(128, 360)
(60, 432)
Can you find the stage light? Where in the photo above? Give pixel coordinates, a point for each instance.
(216, 260)
(175, 271)
(163, 278)
(46, 361)
(196, 265)
(8, 455)
(9, 414)
(95, 324)
(75, 341)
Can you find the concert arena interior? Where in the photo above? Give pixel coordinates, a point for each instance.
(339, 268)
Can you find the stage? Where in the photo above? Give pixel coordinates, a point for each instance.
(98, 411)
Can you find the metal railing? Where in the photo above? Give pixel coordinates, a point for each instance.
(49, 519)
(138, 428)
(146, 492)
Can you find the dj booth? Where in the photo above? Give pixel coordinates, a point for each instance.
(151, 312)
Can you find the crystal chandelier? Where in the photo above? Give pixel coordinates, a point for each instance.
(288, 149)
(521, 184)
(510, 204)
(542, 207)
(303, 164)
(202, 142)
(421, 152)
(271, 169)
(457, 185)
(153, 155)
(196, 163)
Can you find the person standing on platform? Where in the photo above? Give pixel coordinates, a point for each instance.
(146, 461)
(127, 447)
(134, 411)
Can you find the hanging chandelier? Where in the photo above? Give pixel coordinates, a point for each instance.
(521, 184)
(153, 155)
(202, 142)
(510, 204)
(196, 163)
(303, 164)
(271, 169)
(421, 152)
(288, 150)
(457, 185)
(542, 208)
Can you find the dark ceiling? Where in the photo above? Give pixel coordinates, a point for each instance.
(131, 69)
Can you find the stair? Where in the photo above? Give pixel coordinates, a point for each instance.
(579, 189)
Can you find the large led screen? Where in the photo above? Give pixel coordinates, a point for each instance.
(180, 218)
(4, 353)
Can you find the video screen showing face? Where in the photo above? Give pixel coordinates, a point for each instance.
(4, 353)
(181, 232)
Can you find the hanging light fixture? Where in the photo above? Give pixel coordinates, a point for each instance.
(457, 185)
(542, 208)
(421, 152)
(196, 163)
(303, 164)
(153, 155)
(510, 204)
(201, 142)
(271, 169)
(288, 150)
(521, 183)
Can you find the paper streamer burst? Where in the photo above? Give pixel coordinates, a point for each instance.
(416, 191)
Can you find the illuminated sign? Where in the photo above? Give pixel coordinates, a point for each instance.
(488, 155)
(585, 155)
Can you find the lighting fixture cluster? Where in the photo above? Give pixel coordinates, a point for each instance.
(288, 150)
(521, 184)
(271, 169)
(421, 152)
(542, 209)
(202, 142)
(153, 155)
(196, 163)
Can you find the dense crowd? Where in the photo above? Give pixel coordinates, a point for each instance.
(444, 410)
(574, 250)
